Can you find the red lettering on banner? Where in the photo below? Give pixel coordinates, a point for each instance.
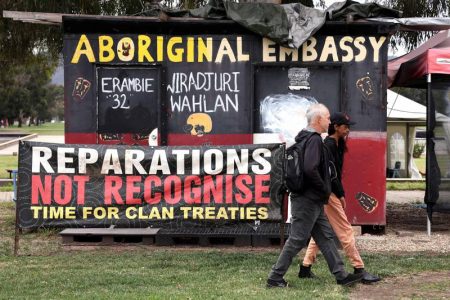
(172, 196)
(61, 196)
(245, 195)
(150, 183)
(39, 189)
(216, 190)
(62, 189)
(81, 182)
(112, 187)
(261, 188)
(132, 189)
(192, 195)
(228, 189)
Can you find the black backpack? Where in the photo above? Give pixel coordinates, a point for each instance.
(294, 167)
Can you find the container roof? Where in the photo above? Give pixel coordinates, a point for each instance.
(288, 24)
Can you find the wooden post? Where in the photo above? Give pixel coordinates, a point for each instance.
(430, 135)
(17, 232)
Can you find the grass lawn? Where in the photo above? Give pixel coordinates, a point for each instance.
(45, 270)
(405, 186)
(7, 162)
(7, 188)
(179, 274)
(43, 129)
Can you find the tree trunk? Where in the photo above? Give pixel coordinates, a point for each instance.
(20, 118)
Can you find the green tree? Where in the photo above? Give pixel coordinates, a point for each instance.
(418, 95)
(416, 8)
(55, 108)
(24, 88)
(29, 53)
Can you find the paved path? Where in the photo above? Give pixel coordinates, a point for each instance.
(14, 148)
(6, 196)
(405, 196)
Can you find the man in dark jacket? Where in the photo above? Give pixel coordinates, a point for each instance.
(308, 218)
(334, 210)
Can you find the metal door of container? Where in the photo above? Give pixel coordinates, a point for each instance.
(283, 93)
(128, 105)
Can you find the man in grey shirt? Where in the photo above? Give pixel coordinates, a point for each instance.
(308, 217)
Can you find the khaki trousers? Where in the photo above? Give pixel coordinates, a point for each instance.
(343, 230)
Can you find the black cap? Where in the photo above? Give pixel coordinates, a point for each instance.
(340, 118)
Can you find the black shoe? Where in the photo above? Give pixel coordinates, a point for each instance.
(305, 272)
(367, 277)
(350, 279)
(276, 283)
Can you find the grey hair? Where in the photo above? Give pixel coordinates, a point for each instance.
(315, 111)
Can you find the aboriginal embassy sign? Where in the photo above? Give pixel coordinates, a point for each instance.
(100, 185)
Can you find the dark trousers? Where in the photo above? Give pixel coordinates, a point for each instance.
(308, 219)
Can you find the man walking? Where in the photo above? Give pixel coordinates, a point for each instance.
(308, 218)
(336, 145)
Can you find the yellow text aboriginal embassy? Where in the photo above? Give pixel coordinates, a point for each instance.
(177, 49)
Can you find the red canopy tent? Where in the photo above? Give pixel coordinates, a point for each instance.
(433, 57)
(428, 67)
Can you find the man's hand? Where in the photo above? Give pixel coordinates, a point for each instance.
(342, 199)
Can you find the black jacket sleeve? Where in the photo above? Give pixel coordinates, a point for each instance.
(313, 165)
(336, 183)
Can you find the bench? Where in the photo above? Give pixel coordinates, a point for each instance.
(10, 171)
